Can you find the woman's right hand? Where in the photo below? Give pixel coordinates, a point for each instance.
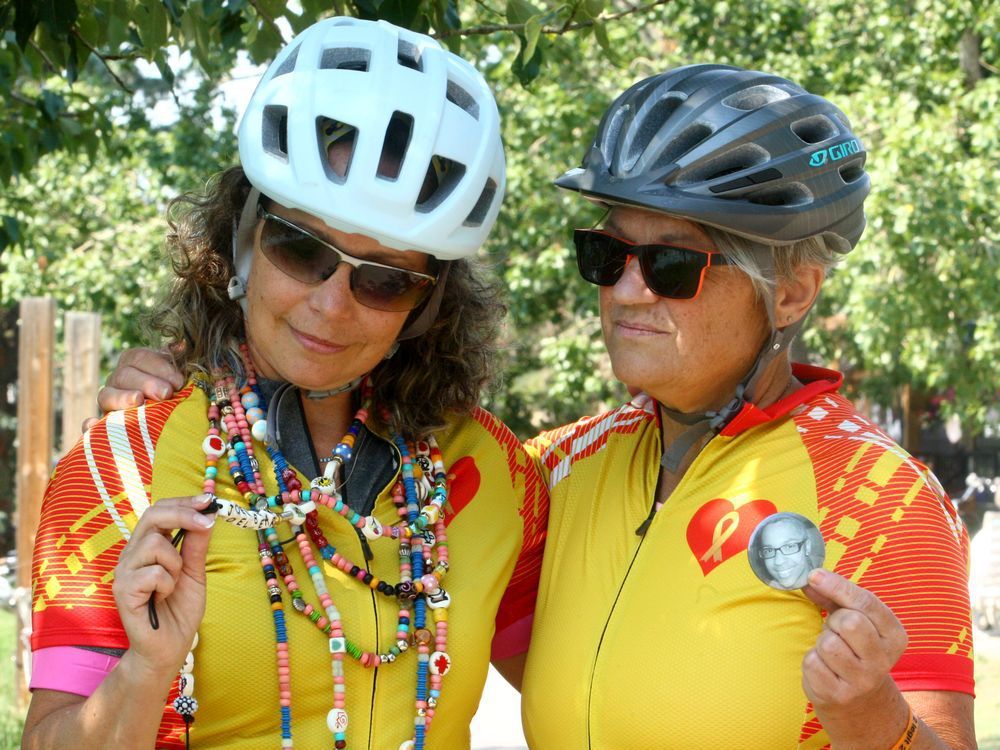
(151, 566)
(139, 374)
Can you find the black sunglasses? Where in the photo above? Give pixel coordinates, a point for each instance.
(311, 260)
(668, 270)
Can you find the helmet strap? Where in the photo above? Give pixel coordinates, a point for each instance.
(243, 248)
(421, 320)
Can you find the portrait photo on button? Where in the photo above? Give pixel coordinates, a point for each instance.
(784, 548)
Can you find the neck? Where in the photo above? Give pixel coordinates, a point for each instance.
(775, 383)
(327, 419)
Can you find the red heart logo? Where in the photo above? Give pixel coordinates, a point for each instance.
(463, 484)
(720, 530)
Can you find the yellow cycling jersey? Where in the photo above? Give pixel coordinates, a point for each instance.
(133, 458)
(667, 640)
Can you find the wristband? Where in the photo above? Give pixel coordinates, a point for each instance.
(909, 734)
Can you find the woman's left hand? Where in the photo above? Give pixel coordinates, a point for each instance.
(846, 672)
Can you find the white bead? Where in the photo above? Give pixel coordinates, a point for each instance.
(336, 720)
(213, 446)
(307, 507)
(259, 431)
(337, 646)
(372, 528)
(408, 745)
(294, 514)
(324, 485)
(440, 663)
(431, 512)
(186, 685)
(439, 600)
(188, 667)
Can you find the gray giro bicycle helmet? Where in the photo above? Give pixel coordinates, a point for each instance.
(747, 152)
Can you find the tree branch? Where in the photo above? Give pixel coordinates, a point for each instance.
(103, 59)
(263, 14)
(550, 30)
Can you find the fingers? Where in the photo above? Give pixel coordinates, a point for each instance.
(860, 642)
(166, 515)
(832, 592)
(140, 373)
(113, 399)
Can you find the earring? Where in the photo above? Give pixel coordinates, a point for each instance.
(392, 350)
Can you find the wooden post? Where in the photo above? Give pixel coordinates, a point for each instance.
(35, 424)
(82, 336)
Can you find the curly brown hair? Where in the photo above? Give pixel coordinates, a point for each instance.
(443, 371)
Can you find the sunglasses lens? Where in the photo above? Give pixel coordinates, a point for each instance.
(600, 257)
(673, 272)
(296, 253)
(388, 289)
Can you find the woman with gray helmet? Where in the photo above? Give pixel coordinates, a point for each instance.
(341, 556)
(730, 193)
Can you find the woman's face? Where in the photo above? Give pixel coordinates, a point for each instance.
(318, 336)
(689, 354)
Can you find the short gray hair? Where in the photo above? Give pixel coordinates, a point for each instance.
(745, 255)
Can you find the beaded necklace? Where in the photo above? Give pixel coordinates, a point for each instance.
(236, 420)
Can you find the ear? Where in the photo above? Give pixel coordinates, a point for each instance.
(795, 296)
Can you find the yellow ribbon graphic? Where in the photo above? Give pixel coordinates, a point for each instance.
(724, 529)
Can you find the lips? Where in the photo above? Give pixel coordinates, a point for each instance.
(636, 328)
(318, 345)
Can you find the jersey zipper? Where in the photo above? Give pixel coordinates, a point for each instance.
(600, 642)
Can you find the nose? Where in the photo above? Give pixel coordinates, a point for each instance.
(631, 288)
(333, 297)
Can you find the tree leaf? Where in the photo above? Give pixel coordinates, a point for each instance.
(151, 21)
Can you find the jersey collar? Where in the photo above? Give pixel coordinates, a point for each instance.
(816, 380)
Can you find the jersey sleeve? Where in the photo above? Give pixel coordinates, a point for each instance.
(92, 503)
(891, 528)
(517, 606)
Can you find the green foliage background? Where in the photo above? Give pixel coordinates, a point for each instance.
(86, 175)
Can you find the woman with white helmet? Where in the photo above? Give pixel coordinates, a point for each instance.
(336, 338)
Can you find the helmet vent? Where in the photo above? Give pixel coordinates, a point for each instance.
(448, 174)
(686, 140)
(815, 129)
(755, 97)
(612, 131)
(334, 138)
(462, 99)
(275, 131)
(744, 156)
(409, 56)
(792, 194)
(395, 145)
(345, 58)
(852, 172)
(289, 64)
(651, 121)
(478, 213)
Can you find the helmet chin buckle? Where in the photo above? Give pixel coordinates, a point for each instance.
(237, 289)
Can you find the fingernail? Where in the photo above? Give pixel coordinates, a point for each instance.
(206, 521)
(817, 576)
(200, 501)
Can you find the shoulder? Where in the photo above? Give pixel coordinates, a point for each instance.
(117, 455)
(556, 450)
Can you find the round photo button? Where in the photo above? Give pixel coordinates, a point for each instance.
(784, 548)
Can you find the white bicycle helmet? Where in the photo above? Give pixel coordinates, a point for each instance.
(365, 78)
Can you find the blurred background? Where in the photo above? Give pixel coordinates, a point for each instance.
(110, 108)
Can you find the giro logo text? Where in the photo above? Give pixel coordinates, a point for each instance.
(835, 153)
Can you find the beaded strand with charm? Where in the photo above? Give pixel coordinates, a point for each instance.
(423, 554)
